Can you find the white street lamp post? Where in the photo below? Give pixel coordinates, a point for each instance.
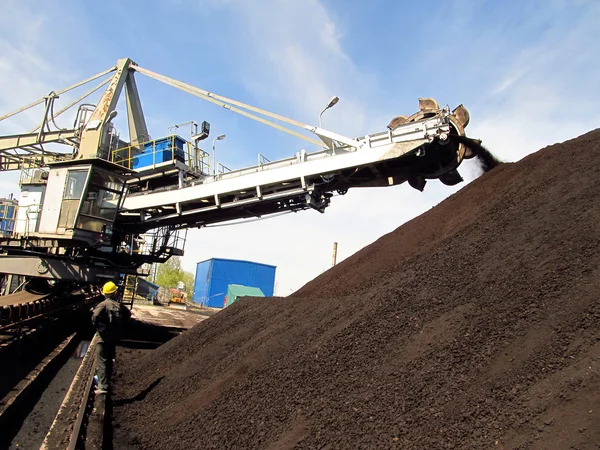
(331, 104)
(218, 138)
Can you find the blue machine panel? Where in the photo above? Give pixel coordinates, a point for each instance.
(146, 289)
(160, 151)
(214, 276)
(7, 219)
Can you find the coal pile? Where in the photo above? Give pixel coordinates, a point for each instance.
(475, 325)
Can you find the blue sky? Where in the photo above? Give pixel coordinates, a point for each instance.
(528, 71)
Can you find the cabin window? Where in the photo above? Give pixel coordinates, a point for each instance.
(101, 202)
(74, 187)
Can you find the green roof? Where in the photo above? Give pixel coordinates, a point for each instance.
(234, 291)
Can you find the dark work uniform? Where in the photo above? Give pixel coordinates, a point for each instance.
(108, 319)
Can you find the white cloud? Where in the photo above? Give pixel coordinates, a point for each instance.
(19, 87)
(28, 72)
(293, 59)
(548, 93)
(510, 80)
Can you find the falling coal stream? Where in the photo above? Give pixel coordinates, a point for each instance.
(486, 159)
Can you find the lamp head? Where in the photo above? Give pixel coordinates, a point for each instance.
(333, 101)
(204, 132)
(112, 115)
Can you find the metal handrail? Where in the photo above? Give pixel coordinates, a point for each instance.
(222, 168)
(262, 160)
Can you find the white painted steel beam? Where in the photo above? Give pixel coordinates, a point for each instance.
(18, 141)
(380, 147)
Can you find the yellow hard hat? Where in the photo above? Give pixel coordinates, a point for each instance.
(109, 288)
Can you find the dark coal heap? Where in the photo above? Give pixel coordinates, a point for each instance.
(475, 325)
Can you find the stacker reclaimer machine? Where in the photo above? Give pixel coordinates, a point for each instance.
(106, 208)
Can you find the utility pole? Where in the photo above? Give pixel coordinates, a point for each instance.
(154, 271)
(334, 259)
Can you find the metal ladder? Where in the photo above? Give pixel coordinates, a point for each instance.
(130, 287)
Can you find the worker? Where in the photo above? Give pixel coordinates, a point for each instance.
(108, 318)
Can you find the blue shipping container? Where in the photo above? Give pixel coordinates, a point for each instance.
(214, 276)
(159, 151)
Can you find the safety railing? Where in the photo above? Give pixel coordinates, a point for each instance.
(31, 171)
(202, 161)
(222, 168)
(137, 244)
(22, 220)
(162, 152)
(156, 242)
(262, 160)
(176, 239)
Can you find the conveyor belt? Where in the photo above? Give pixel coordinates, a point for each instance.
(20, 298)
(27, 308)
